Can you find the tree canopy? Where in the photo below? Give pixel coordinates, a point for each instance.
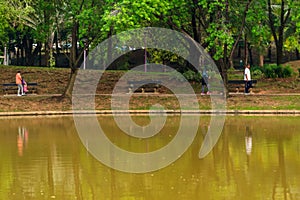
(38, 28)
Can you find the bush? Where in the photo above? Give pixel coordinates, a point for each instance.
(257, 72)
(287, 72)
(192, 76)
(269, 71)
(189, 75)
(277, 71)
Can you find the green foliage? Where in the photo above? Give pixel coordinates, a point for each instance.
(292, 43)
(257, 26)
(4, 25)
(162, 57)
(257, 72)
(219, 35)
(271, 71)
(292, 33)
(277, 71)
(190, 75)
(287, 72)
(214, 23)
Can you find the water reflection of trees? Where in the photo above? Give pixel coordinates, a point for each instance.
(273, 144)
(65, 170)
(38, 172)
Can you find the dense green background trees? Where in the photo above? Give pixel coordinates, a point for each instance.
(40, 32)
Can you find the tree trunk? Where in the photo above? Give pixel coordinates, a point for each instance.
(240, 34)
(36, 51)
(27, 44)
(18, 55)
(223, 71)
(70, 85)
(50, 45)
(278, 33)
(47, 55)
(40, 56)
(110, 47)
(22, 54)
(261, 60)
(270, 54)
(73, 53)
(279, 49)
(194, 26)
(246, 51)
(74, 62)
(250, 55)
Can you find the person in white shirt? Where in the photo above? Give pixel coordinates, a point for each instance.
(247, 78)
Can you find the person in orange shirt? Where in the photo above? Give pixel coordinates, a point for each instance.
(19, 83)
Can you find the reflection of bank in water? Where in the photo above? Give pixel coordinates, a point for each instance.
(248, 141)
(22, 140)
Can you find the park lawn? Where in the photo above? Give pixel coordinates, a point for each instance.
(54, 81)
(264, 102)
(144, 102)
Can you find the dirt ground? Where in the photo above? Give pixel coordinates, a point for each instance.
(267, 94)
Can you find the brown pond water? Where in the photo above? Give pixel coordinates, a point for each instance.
(255, 158)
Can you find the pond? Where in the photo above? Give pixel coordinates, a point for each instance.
(254, 158)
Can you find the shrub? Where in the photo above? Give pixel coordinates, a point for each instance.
(189, 75)
(287, 72)
(192, 76)
(257, 72)
(277, 71)
(269, 71)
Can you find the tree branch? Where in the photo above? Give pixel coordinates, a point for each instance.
(241, 29)
(271, 22)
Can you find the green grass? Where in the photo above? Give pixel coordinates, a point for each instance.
(268, 103)
(30, 67)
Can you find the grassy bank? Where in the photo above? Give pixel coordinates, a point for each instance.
(54, 81)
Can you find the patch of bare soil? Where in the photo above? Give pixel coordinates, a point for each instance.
(50, 81)
(54, 81)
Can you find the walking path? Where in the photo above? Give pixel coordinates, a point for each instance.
(267, 94)
(146, 112)
(157, 94)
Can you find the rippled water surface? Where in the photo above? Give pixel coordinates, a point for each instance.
(255, 158)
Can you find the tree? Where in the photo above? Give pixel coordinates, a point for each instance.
(207, 22)
(4, 25)
(279, 15)
(293, 39)
(257, 29)
(23, 26)
(84, 18)
(218, 25)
